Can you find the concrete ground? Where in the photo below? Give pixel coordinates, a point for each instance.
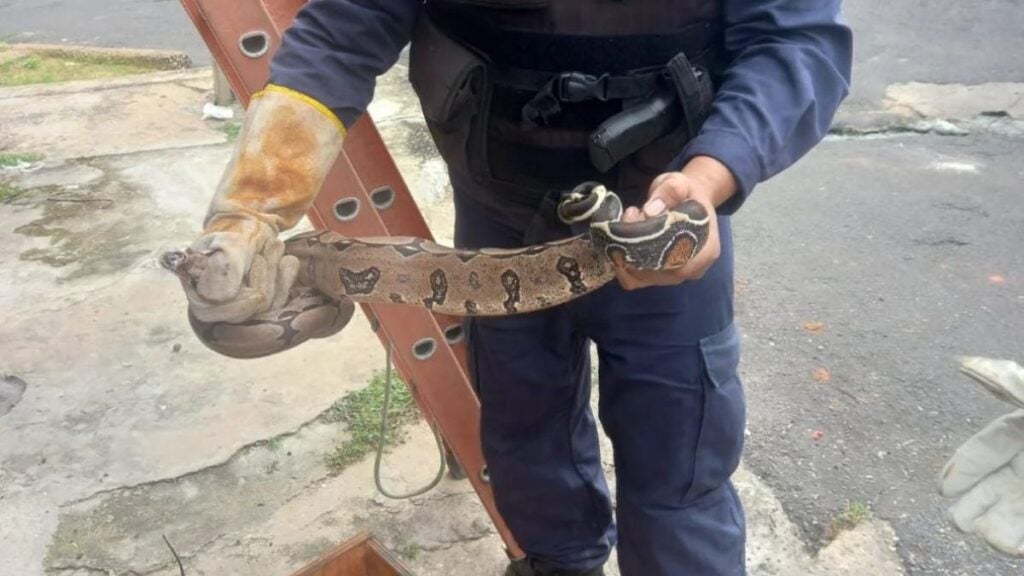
(120, 428)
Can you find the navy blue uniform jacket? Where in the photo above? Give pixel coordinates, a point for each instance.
(789, 69)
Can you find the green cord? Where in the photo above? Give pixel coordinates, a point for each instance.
(380, 442)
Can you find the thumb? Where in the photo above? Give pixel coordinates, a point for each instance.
(666, 191)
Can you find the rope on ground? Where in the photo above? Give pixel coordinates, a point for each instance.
(381, 441)
(177, 558)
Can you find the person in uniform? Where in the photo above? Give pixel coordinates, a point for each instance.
(659, 100)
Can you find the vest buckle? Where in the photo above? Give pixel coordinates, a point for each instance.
(578, 87)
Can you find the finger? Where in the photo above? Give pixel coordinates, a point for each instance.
(272, 254)
(221, 278)
(632, 214)
(287, 272)
(643, 278)
(250, 300)
(261, 277)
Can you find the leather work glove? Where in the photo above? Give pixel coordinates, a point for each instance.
(986, 473)
(285, 148)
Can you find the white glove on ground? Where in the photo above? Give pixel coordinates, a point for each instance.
(986, 473)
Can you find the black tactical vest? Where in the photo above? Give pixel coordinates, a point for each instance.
(517, 92)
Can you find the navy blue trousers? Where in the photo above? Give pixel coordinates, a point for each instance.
(670, 400)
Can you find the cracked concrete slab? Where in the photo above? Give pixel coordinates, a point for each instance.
(100, 118)
(944, 109)
(129, 430)
(122, 393)
(960, 101)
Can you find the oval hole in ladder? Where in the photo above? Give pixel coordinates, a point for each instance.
(382, 197)
(424, 349)
(254, 44)
(346, 209)
(453, 334)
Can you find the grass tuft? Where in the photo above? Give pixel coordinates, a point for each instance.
(24, 69)
(854, 514)
(12, 160)
(231, 129)
(9, 192)
(361, 411)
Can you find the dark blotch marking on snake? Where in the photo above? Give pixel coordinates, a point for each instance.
(474, 280)
(510, 281)
(360, 282)
(570, 268)
(438, 288)
(472, 307)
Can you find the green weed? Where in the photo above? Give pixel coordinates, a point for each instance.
(361, 411)
(9, 192)
(854, 514)
(23, 69)
(10, 160)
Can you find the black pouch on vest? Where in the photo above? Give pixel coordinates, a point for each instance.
(451, 83)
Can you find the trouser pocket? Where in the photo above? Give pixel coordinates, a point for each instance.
(723, 421)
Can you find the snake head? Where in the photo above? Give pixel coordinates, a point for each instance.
(173, 260)
(185, 264)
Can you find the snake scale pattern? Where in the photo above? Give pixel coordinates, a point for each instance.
(338, 271)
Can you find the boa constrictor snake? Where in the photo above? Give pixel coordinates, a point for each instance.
(337, 271)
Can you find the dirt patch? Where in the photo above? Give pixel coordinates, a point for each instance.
(86, 230)
(12, 389)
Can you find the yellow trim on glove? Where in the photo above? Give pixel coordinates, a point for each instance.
(319, 106)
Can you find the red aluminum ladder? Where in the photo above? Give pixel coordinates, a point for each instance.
(242, 36)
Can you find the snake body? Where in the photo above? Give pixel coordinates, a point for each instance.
(337, 271)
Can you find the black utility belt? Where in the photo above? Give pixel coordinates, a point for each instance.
(654, 102)
(533, 130)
